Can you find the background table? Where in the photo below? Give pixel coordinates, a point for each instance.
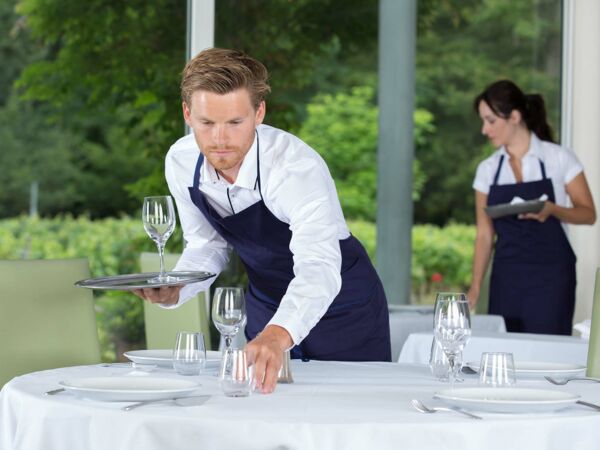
(331, 405)
(404, 322)
(523, 346)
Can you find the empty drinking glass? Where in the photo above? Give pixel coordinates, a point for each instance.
(237, 374)
(189, 355)
(452, 328)
(497, 370)
(438, 362)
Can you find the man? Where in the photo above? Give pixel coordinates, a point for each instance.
(267, 195)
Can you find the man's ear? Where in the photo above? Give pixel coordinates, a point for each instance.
(186, 113)
(260, 113)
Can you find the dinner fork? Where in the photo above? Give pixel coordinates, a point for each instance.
(566, 380)
(419, 406)
(54, 391)
(196, 400)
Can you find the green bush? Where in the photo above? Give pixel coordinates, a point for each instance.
(343, 129)
(441, 260)
(441, 257)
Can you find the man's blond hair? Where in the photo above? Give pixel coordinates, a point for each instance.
(222, 71)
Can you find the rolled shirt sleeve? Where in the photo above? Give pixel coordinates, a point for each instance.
(303, 195)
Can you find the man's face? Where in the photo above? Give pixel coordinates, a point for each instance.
(223, 126)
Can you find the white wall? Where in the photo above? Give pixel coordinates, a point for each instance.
(585, 137)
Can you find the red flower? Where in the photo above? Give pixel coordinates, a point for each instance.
(437, 277)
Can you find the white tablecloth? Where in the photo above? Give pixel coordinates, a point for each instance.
(523, 346)
(330, 406)
(405, 322)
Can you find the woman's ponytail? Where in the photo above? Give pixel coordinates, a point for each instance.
(535, 117)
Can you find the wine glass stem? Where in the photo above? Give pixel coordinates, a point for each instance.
(227, 342)
(451, 364)
(161, 254)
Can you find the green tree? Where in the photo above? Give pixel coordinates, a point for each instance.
(462, 47)
(343, 129)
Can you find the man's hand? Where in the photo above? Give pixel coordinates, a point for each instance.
(166, 295)
(266, 352)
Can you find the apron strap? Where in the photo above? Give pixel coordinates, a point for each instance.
(543, 169)
(498, 171)
(497, 175)
(197, 171)
(257, 182)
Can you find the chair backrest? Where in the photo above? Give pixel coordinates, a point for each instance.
(163, 324)
(593, 359)
(484, 294)
(45, 321)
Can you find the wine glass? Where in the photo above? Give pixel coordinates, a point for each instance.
(158, 216)
(229, 312)
(452, 328)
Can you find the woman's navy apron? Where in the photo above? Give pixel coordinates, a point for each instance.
(533, 276)
(356, 325)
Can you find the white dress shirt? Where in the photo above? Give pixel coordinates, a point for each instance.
(561, 165)
(297, 189)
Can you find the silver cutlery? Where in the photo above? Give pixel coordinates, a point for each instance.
(196, 400)
(588, 404)
(54, 391)
(419, 406)
(469, 371)
(566, 380)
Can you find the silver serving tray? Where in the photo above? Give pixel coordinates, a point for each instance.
(507, 209)
(142, 280)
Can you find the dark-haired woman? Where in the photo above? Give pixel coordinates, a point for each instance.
(533, 273)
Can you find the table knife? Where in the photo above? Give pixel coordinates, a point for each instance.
(588, 404)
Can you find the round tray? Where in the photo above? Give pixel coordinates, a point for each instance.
(142, 280)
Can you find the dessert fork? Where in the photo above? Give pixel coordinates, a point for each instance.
(566, 380)
(419, 406)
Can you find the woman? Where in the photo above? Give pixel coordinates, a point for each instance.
(533, 274)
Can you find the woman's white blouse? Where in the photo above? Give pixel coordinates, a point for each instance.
(561, 164)
(297, 188)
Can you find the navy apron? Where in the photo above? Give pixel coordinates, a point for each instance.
(356, 325)
(533, 274)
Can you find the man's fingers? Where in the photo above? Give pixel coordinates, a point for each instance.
(260, 367)
(164, 295)
(270, 380)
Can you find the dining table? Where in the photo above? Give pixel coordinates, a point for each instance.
(330, 405)
(408, 319)
(523, 346)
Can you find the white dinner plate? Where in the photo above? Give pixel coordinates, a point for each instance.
(129, 389)
(164, 358)
(507, 400)
(531, 369)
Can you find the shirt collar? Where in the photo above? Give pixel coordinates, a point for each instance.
(534, 148)
(246, 176)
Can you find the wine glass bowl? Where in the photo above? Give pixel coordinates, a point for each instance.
(229, 312)
(158, 217)
(452, 327)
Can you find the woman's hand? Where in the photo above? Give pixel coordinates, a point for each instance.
(542, 216)
(473, 297)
